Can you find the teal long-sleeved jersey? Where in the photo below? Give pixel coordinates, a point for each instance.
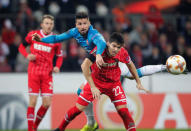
(93, 38)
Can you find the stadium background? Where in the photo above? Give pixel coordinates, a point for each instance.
(153, 30)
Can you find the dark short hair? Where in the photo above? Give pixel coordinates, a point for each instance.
(47, 17)
(116, 37)
(82, 15)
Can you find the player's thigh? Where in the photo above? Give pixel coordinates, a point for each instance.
(124, 69)
(33, 84)
(80, 107)
(85, 97)
(46, 85)
(81, 88)
(117, 95)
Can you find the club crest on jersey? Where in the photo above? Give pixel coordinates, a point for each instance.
(50, 86)
(128, 59)
(42, 47)
(87, 42)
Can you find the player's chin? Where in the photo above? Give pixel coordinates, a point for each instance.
(113, 54)
(83, 32)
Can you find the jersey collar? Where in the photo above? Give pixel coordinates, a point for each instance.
(41, 32)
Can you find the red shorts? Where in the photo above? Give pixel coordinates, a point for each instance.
(40, 84)
(114, 91)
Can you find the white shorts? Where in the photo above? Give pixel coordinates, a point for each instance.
(124, 69)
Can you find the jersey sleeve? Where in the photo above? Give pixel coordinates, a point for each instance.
(124, 56)
(92, 55)
(59, 55)
(28, 38)
(27, 41)
(100, 42)
(59, 38)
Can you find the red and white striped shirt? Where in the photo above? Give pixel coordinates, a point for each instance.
(44, 54)
(110, 71)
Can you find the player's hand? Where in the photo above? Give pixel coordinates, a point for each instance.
(95, 92)
(56, 69)
(140, 87)
(36, 37)
(31, 57)
(99, 61)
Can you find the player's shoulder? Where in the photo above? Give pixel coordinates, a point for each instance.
(92, 30)
(123, 51)
(34, 31)
(73, 31)
(93, 33)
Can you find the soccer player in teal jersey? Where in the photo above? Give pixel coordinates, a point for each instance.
(85, 35)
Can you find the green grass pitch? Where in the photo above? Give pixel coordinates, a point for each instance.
(116, 130)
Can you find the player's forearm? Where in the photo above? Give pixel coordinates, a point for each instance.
(133, 71)
(86, 72)
(89, 80)
(59, 61)
(22, 50)
(56, 38)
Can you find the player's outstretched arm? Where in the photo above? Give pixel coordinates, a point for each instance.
(87, 73)
(52, 38)
(133, 71)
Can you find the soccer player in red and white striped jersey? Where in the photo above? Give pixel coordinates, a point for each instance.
(105, 81)
(40, 70)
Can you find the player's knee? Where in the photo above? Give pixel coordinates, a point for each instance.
(120, 107)
(46, 101)
(79, 91)
(32, 103)
(32, 100)
(46, 104)
(80, 107)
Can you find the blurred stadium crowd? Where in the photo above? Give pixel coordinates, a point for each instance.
(150, 37)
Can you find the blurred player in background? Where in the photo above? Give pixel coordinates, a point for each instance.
(105, 81)
(40, 70)
(88, 37)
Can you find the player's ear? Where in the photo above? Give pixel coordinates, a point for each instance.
(107, 43)
(41, 24)
(89, 22)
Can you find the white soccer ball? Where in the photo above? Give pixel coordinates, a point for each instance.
(175, 64)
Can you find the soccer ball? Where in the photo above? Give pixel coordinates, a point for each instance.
(175, 64)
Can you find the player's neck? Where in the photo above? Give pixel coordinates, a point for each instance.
(46, 33)
(107, 51)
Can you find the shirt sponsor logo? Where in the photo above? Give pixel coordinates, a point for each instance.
(110, 64)
(42, 47)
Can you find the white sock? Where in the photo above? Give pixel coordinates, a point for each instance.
(151, 69)
(147, 70)
(89, 114)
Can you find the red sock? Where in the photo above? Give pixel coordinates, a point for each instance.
(127, 119)
(69, 116)
(30, 118)
(40, 114)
